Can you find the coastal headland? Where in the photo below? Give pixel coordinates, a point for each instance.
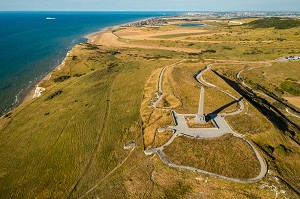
(117, 97)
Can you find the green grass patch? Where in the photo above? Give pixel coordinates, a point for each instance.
(291, 87)
(177, 191)
(267, 148)
(283, 150)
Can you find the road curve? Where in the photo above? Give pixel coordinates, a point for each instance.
(159, 150)
(263, 165)
(200, 79)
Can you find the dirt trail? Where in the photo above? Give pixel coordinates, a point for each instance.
(100, 135)
(105, 177)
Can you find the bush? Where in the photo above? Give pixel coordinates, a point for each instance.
(209, 51)
(91, 47)
(61, 78)
(78, 75)
(291, 87)
(267, 148)
(283, 150)
(54, 95)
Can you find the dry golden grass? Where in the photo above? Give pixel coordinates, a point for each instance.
(294, 100)
(192, 123)
(161, 138)
(212, 78)
(227, 156)
(153, 119)
(158, 119)
(109, 39)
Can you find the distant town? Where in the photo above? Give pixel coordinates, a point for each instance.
(227, 15)
(148, 22)
(161, 21)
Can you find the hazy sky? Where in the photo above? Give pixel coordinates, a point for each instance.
(141, 5)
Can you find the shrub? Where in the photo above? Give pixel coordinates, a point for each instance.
(267, 148)
(91, 46)
(209, 51)
(56, 93)
(283, 150)
(291, 87)
(61, 78)
(78, 75)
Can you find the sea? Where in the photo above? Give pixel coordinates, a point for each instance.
(31, 45)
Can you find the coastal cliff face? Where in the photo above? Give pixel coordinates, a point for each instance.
(84, 136)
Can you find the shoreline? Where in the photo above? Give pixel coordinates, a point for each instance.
(36, 91)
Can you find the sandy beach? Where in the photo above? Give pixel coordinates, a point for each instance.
(36, 90)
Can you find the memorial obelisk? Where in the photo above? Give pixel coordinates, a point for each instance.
(200, 117)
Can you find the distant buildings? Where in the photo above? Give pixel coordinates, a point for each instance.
(229, 15)
(148, 22)
(289, 58)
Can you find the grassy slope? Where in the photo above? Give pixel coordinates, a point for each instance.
(65, 144)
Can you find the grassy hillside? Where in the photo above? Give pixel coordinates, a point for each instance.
(59, 144)
(275, 22)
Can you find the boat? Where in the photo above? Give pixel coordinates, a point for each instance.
(50, 18)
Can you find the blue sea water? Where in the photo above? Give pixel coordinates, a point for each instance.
(31, 46)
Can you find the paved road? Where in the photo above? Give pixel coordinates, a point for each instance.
(181, 129)
(224, 124)
(200, 79)
(170, 164)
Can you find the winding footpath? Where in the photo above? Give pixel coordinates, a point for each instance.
(159, 93)
(238, 76)
(181, 129)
